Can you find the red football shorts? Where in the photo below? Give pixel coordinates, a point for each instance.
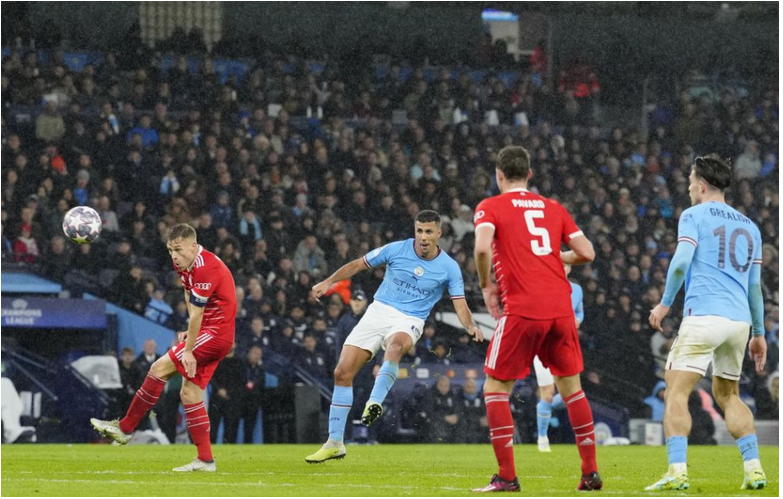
(209, 351)
(517, 340)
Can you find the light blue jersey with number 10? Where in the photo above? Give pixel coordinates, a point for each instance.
(727, 245)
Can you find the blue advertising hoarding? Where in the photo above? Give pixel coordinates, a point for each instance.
(62, 313)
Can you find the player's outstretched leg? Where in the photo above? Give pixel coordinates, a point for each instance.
(387, 375)
(397, 345)
(145, 399)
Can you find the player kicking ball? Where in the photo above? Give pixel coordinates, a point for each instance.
(211, 298)
(417, 272)
(718, 257)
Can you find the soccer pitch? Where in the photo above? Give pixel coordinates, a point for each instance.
(379, 470)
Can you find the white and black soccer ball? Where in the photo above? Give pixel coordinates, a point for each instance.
(82, 225)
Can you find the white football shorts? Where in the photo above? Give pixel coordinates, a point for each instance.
(710, 338)
(543, 375)
(379, 323)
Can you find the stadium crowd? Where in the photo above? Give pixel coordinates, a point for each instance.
(291, 173)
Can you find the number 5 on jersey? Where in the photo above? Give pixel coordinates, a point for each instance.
(544, 247)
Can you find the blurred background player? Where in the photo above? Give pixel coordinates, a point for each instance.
(417, 271)
(210, 293)
(536, 316)
(548, 400)
(718, 257)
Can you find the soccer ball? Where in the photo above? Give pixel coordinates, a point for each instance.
(82, 224)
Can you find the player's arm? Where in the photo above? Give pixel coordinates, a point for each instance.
(466, 318)
(347, 271)
(678, 269)
(482, 254)
(581, 251)
(758, 344)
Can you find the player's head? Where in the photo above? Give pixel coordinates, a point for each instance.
(513, 166)
(427, 230)
(709, 174)
(182, 245)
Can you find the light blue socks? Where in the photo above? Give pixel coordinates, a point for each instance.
(384, 381)
(342, 400)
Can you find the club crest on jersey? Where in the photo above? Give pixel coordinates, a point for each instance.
(418, 271)
(479, 214)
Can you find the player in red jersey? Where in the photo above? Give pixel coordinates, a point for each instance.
(523, 232)
(212, 304)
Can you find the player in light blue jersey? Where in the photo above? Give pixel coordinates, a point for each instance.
(719, 257)
(548, 401)
(417, 272)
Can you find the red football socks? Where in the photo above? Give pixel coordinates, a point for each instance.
(145, 399)
(501, 433)
(581, 417)
(198, 427)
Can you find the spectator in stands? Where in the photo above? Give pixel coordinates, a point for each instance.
(50, 126)
(228, 399)
(148, 135)
(774, 390)
(313, 360)
(58, 259)
(257, 337)
(748, 164)
(148, 356)
(254, 390)
(157, 310)
(131, 378)
(25, 246)
(310, 258)
(442, 409)
(656, 402)
(474, 427)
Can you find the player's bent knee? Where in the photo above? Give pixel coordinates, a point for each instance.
(342, 375)
(163, 367)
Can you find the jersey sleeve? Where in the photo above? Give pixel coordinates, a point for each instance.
(570, 229)
(382, 255)
(758, 249)
(456, 284)
(203, 286)
(687, 229)
(484, 215)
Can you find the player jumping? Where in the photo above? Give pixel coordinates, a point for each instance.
(417, 271)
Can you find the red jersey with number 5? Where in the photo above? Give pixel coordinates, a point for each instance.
(529, 230)
(211, 286)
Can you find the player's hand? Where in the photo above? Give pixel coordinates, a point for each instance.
(182, 336)
(189, 361)
(757, 349)
(656, 316)
(492, 300)
(320, 289)
(576, 321)
(477, 334)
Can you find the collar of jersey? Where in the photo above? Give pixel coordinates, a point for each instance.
(425, 259)
(518, 189)
(200, 249)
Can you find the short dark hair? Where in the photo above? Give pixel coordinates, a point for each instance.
(715, 170)
(514, 162)
(181, 231)
(427, 216)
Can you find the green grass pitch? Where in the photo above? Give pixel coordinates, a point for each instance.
(379, 470)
